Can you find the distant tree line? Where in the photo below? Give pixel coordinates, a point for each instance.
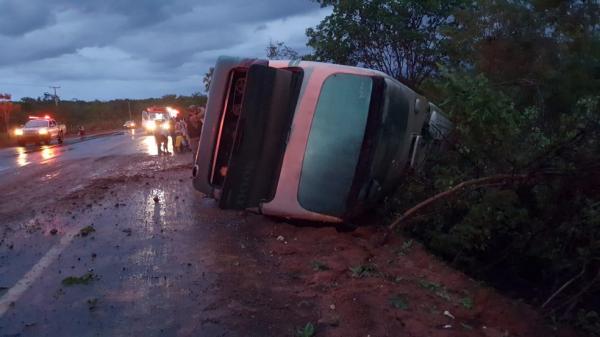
(97, 115)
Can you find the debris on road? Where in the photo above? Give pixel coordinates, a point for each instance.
(448, 314)
(92, 303)
(83, 279)
(53, 231)
(85, 231)
(156, 199)
(127, 231)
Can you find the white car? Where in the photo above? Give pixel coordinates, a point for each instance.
(40, 130)
(129, 125)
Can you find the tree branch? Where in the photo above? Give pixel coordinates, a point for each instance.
(491, 180)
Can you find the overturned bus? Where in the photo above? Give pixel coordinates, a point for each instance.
(308, 140)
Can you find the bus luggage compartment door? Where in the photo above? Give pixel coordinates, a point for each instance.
(260, 139)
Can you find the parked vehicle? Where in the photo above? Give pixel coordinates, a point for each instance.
(129, 125)
(150, 116)
(40, 130)
(310, 140)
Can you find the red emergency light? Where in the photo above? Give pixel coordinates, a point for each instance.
(36, 117)
(156, 109)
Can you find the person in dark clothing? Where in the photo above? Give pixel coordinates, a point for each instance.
(194, 129)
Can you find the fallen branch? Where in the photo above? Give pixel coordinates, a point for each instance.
(486, 181)
(564, 286)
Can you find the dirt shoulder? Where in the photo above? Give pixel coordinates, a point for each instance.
(364, 283)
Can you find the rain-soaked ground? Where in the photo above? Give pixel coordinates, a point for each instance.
(104, 238)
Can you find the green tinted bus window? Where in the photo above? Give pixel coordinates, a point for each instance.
(334, 143)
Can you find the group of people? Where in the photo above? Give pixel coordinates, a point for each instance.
(184, 132)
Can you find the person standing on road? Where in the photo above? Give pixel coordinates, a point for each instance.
(194, 130)
(158, 138)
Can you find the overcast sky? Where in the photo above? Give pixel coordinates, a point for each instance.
(104, 49)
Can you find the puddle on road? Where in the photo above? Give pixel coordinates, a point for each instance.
(48, 152)
(153, 213)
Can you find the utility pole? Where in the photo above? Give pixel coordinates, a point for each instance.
(55, 95)
(129, 108)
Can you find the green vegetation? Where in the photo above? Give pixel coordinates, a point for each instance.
(436, 288)
(307, 331)
(399, 301)
(405, 248)
(319, 266)
(467, 302)
(364, 270)
(86, 278)
(520, 80)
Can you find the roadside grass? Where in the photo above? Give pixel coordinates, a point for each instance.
(441, 291)
(436, 288)
(399, 301)
(405, 248)
(364, 270)
(467, 302)
(319, 266)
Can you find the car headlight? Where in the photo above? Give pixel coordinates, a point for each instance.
(166, 126)
(18, 132)
(151, 125)
(43, 131)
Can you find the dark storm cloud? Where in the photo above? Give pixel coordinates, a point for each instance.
(127, 41)
(19, 17)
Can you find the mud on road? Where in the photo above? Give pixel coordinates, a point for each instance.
(130, 249)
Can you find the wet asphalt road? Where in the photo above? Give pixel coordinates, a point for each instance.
(125, 142)
(147, 265)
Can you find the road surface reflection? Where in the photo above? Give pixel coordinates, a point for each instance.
(48, 152)
(22, 157)
(150, 145)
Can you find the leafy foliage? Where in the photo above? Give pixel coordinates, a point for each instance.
(278, 50)
(399, 37)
